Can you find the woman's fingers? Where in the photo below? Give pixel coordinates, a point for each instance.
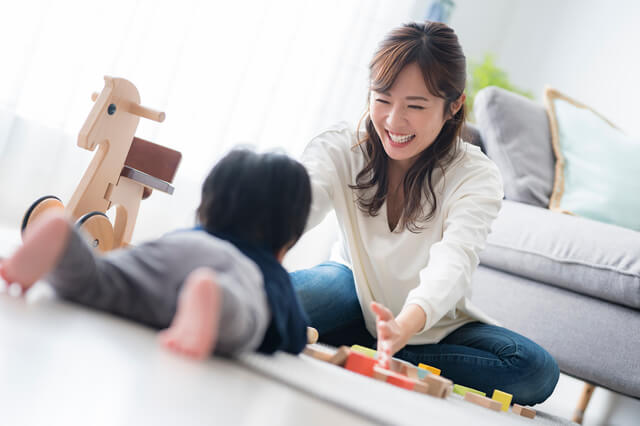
(381, 311)
(384, 332)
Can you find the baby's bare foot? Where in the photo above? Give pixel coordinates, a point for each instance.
(43, 245)
(194, 329)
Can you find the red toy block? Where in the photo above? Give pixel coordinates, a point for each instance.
(360, 363)
(393, 378)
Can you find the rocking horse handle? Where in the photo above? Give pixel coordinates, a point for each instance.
(139, 110)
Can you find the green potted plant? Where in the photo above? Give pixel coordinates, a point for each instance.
(487, 73)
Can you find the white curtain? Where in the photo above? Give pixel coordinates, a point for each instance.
(266, 73)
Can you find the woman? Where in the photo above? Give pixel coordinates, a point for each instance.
(414, 204)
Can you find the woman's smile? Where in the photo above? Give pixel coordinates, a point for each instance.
(399, 139)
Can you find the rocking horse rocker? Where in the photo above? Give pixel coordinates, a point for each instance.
(124, 170)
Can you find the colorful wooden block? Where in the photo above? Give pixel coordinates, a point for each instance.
(411, 372)
(319, 352)
(340, 357)
(429, 368)
(502, 397)
(398, 366)
(438, 386)
(448, 391)
(364, 350)
(483, 401)
(462, 390)
(360, 363)
(393, 378)
(420, 386)
(399, 380)
(524, 411)
(422, 373)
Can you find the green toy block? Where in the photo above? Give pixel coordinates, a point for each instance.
(363, 350)
(461, 390)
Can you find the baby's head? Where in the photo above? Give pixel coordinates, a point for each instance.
(263, 199)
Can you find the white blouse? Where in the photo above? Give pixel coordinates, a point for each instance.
(432, 268)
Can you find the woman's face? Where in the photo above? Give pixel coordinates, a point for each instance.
(408, 117)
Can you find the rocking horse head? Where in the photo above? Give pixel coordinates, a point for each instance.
(115, 115)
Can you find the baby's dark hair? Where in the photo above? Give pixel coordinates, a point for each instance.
(263, 199)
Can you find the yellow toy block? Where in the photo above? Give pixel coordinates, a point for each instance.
(364, 350)
(433, 370)
(502, 397)
(462, 390)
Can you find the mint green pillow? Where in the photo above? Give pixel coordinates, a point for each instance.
(597, 173)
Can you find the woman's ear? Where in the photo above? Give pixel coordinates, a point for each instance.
(457, 104)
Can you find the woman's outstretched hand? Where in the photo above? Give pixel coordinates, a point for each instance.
(393, 334)
(391, 338)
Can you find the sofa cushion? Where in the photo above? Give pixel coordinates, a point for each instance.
(579, 254)
(515, 133)
(597, 169)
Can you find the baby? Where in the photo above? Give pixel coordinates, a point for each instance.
(219, 288)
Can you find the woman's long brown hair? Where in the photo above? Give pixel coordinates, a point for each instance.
(434, 47)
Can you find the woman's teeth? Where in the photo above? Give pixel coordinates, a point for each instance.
(399, 138)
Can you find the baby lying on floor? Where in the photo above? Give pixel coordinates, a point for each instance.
(219, 288)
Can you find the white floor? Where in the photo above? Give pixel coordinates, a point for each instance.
(606, 407)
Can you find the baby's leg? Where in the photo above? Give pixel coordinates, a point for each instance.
(219, 311)
(194, 328)
(44, 244)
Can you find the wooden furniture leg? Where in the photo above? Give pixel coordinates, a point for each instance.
(585, 397)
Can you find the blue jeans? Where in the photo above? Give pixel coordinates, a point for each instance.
(481, 356)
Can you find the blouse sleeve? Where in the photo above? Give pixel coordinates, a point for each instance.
(469, 213)
(325, 161)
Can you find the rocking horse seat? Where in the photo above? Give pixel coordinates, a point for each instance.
(152, 165)
(148, 181)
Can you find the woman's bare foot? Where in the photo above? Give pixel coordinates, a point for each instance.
(44, 242)
(194, 329)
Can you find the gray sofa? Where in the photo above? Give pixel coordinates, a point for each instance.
(569, 283)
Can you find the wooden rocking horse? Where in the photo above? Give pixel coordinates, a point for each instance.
(124, 170)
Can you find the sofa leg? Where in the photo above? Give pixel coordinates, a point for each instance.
(585, 396)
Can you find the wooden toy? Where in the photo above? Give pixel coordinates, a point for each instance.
(429, 368)
(340, 357)
(483, 401)
(409, 371)
(438, 386)
(322, 353)
(312, 335)
(421, 387)
(327, 354)
(422, 373)
(364, 350)
(502, 397)
(123, 171)
(462, 390)
(524, 411)
(393, 378)
(360, 363)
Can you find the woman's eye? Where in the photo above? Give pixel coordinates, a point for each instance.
(416, 107)
(382, 101)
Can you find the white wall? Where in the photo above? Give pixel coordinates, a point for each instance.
(585, 48)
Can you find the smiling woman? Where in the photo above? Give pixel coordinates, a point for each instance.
(415, 204)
